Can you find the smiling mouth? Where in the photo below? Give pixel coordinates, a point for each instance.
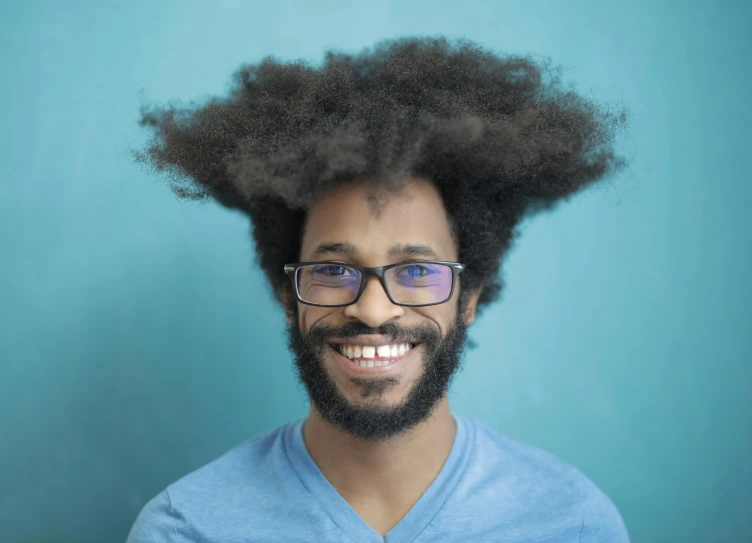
(370, 356)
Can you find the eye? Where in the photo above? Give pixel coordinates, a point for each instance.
(415, 270)
(332, 270)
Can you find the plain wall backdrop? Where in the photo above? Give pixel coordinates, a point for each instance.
(138, 340)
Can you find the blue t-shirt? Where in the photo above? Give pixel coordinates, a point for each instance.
(490, 489)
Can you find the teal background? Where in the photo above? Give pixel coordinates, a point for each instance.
(138, 341)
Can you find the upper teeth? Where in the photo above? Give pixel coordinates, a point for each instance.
(369, 351)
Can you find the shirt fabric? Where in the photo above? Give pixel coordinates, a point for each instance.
(490, 489)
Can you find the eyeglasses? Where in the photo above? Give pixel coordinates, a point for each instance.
(413, 284)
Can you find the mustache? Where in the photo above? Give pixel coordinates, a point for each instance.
(420, 333)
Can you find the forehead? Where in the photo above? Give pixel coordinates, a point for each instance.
(414, 214)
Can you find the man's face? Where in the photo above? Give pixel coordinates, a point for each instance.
(378, 402)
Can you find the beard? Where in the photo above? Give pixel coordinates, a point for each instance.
(441, 360)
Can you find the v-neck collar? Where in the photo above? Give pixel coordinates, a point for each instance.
(342, 513)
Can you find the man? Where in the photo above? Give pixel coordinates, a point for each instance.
(384, 189)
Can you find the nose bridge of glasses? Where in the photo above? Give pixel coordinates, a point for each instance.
(373, 306)
(377, 279)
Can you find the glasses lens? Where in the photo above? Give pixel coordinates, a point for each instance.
(419, 283)
(328, 284)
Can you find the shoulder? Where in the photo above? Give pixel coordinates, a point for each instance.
(250, 464)
(546, 483)
(213, 493)
(601, 520)
(157, 522)
(504, 455)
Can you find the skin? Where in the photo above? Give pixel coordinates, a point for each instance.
(381, 480)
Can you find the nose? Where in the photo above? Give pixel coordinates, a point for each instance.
(374, 307)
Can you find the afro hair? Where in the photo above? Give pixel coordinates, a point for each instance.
(500, 136)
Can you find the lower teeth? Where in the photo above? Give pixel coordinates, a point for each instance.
(371, 363)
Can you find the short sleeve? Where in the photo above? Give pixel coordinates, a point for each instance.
(601, 521)
(158, 522)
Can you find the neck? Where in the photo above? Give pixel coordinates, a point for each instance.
(398, 469)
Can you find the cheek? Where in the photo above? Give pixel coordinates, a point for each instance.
(309, 315)
(441, 315)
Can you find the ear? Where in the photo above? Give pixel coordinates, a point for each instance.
(287, 298)
(470, 305)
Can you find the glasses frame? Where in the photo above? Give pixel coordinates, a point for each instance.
(366, 272)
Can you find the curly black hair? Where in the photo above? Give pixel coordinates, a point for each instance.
(500, 136)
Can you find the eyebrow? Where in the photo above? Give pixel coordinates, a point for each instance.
(396, 250)
(413, 250)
